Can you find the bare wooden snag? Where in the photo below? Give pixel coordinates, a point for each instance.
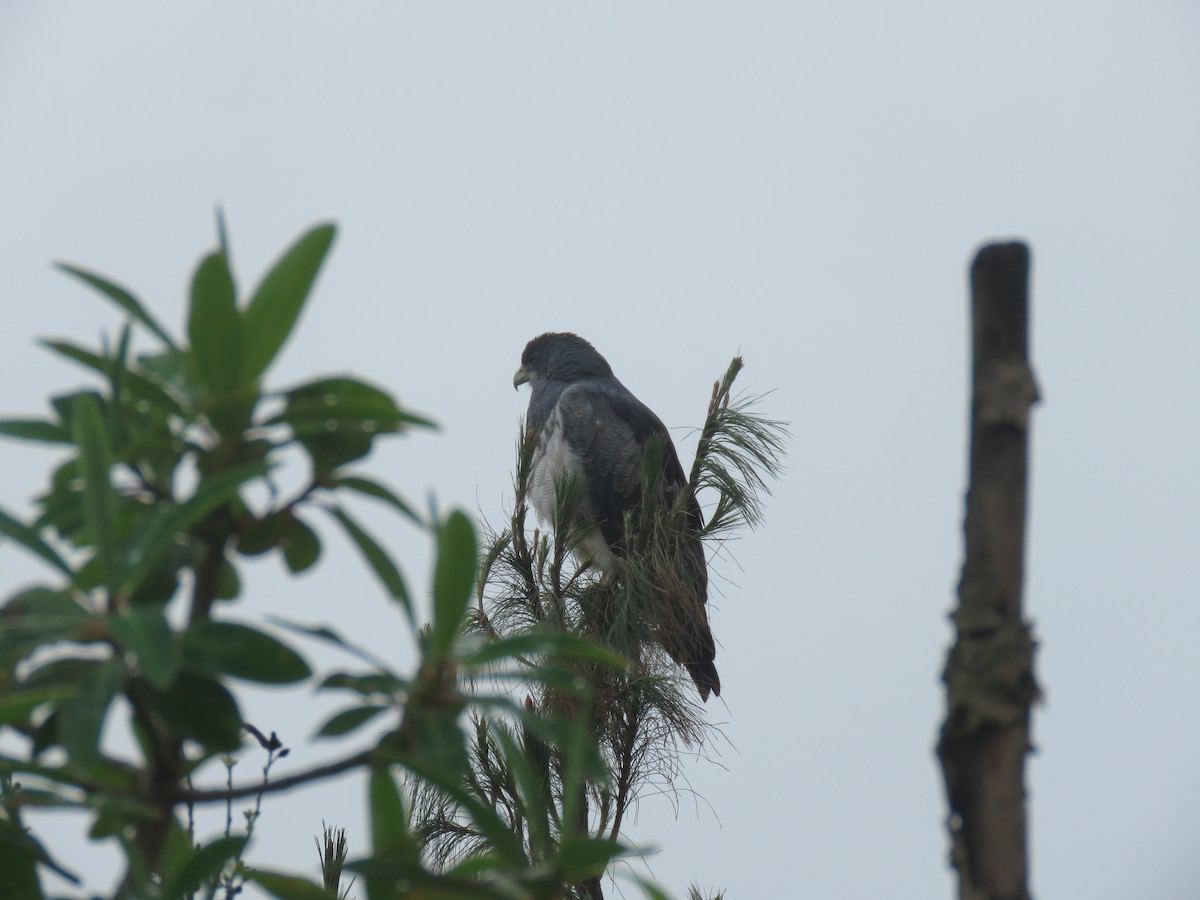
(990, 685)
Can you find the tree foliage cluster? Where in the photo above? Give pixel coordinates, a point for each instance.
(504, 759)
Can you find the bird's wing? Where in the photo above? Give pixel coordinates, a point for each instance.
(607, 428)
(607, 444)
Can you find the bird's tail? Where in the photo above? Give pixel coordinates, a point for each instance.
(704, 674)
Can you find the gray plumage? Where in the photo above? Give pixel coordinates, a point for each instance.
(587, 423)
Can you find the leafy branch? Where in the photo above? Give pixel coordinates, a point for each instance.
(144, 528)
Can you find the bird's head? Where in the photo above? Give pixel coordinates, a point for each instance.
(559, 356)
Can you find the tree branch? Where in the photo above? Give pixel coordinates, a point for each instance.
(317, 774)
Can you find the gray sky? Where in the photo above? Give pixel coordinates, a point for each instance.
(679, 182)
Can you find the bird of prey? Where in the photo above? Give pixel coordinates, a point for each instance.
(587, 424)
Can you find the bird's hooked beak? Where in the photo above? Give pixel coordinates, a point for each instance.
(523, 376)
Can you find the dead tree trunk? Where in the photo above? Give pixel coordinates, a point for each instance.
(990, 685)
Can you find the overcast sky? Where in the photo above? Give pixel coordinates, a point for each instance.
(679, 182)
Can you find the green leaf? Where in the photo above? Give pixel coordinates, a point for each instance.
(20, 853)
(582, 857)
(382, 875)
(258, 536)
(121, 297)
(581, 755)
(16, 706)
(178, 847)
(223, 239)
(347, 402)
(35, 430)
(287, 887)
(204, 865)
(114, 813)
(215, 326)
(45, 735)
(389, 822)
(139, 385)
(61, 672)
(107, 775)
(170, 369)
(347, 720)
(553, 678)
(159, 531)
(378, 559)
(329, 636)
(118, 371)
(199, 708)
(147, 634)
(231, 413)
(539, 643)
(161, 585)
(99, 498)
(78, 354)
(472, 867)
(82, 717)
(228, 648)
(66, 404)
(29, 539)
(229, 583)
(337, 419)
(649, 888)
(62, 510)
(453, 576)
(432, 734)
(17, 844)
(49, 799)
(273, 310)
(301, 547)
(374, 489)
(20, 869)
(371, 684)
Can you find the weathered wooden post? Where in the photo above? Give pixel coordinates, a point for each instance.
(990, 684)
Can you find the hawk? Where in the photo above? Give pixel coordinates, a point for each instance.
(587, 424)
